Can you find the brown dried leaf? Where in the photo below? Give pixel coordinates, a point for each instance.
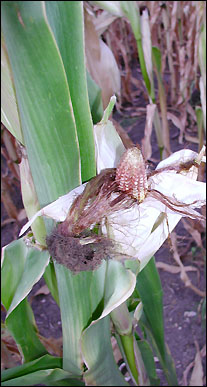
(103, 21)
(183, 275)
(122, 133)
(43, 290)
(188, 368)
(176, 121)
(146, 144)
(9, 359)
(101, 63)
(11, 152)
(7, 200)
(10, 355)
(173, 269)
(195, 233)
(197, 374)
(52, 345)
(116, 350)
(191, 111)
(21, 215)
(192, 139)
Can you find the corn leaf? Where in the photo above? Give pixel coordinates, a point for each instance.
(21, 324)
(43, 99)
(51, 281)
(44, 362)
(48, 377)
(46, 369)
(22, 267)
(98, 355)
(156, 57)
(149, 363)
(66, 20)
(152, 308)
(9, 113)
(12, 269)
(95, 101)
(86, 297)
(151, 294)
(75, 313)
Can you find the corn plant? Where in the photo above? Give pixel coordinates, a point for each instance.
(141, 30)
(166, 32)
(97, 216)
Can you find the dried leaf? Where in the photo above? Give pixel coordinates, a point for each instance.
(123, 135)
(10, 355)
(183, 275)
(101, 63)
(116, 350)
(195, 234)
(173, 269)
(146, 142)
(53, 346)
(21, 215)
(197, 374)
(188, 368)
(103, 21)
(192, 139)
(176, 121)
(43, 290)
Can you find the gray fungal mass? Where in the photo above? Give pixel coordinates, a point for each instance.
(68, 251)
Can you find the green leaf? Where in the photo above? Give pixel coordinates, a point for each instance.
(112, 284)
(46, 369)
(157, 59)
(95, 99)
(51, 281)
(43, 99)
(85, 297)
(21, 324)
(149, 363)
(131, 11)
(128, 350)
(44, 362)
(9, 111)
(22, 267)
(199, 119)
(98, 355)
(151, 294)
(49, 377)
(30, 200)
(75, 312)
(12, 269)
(66, 21)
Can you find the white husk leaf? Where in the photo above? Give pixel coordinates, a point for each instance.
(140, 230)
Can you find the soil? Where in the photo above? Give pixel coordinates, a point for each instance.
(184, 325)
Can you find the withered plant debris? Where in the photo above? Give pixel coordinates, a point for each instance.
(74, 244)
(78, 253)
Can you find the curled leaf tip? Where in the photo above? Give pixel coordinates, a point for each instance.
(108, 110)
